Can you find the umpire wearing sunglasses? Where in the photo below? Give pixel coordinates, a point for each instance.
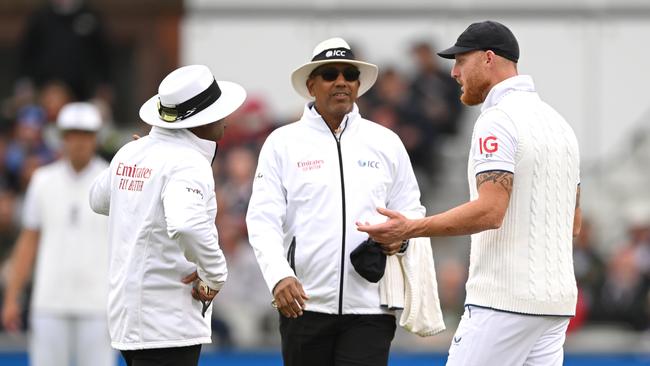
(315, 178)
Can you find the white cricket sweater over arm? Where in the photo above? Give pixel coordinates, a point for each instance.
(526, 265)
(410, 283)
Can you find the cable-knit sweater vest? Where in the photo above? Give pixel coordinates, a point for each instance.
(526, 265)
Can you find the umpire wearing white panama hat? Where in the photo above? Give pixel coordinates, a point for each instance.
(166, 265)
(314, 178)
(190, 97)
(333, 50)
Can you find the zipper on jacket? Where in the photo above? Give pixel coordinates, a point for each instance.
(291, 255)
(338, 148)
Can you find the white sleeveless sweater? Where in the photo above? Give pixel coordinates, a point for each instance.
(526, 265)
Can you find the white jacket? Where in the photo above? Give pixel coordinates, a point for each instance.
(159, 191)
(308, 192)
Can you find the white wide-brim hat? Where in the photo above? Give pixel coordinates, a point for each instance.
(80, 116)
(330, 51)
(189, 97)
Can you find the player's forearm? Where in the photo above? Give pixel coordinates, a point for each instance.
(22, 260)
(469, 218)
(577, 217)
(577, 222)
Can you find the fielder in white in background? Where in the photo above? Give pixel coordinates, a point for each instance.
(166, 265)
(70, 245)
(523, 176)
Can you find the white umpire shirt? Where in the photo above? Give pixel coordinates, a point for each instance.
(159, 195)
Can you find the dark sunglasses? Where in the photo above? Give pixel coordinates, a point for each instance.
(331, 73)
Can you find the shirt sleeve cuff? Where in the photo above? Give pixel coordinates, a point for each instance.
(273, 278)
(494, 165)
(212, 284)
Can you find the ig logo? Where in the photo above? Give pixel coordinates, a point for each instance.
(488, 145)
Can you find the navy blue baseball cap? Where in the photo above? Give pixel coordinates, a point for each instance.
(486, 35)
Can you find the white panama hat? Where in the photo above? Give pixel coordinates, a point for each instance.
(330, 51)
(79, 116)
(189, 97)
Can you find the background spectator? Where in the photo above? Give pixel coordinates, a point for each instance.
(65, 41)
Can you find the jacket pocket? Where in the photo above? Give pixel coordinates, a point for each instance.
(291, 255)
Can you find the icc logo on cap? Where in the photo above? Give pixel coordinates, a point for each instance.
(340, 53)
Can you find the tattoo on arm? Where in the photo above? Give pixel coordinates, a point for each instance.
(578, 197)
(503, 178)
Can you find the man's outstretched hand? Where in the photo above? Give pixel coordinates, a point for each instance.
(394, 230)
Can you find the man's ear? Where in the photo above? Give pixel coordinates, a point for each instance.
(490, 56)
(310, 85)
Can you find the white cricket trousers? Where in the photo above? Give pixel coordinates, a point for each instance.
(487, 337)
(66, 340)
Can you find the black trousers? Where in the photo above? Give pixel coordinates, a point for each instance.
(316, 339)
(177, 356)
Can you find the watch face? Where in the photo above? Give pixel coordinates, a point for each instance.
(404, 246)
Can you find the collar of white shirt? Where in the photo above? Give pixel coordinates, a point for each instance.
(505, 87)
(311, 114)
(207, 148)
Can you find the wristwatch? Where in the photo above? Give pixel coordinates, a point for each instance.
(403, 247)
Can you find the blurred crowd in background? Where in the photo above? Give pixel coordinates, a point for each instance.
(64, 56)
